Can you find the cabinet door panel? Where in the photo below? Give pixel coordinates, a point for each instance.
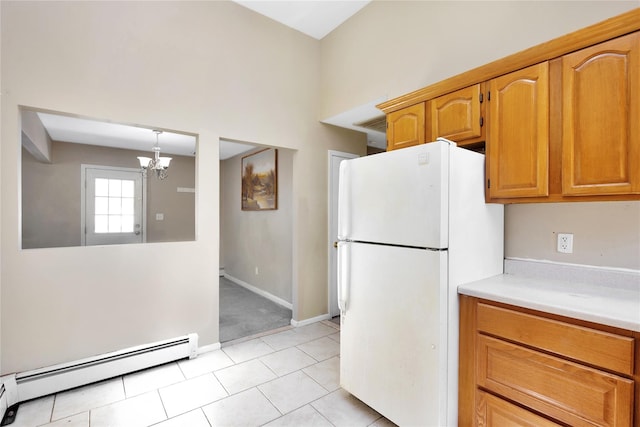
(456, 116)
(518, 143)
(597, 348)
(495, 412)
(601, 119)
(566, 391)
(405, 127)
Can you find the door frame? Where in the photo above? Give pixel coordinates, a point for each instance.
(332, 208)
(83, 185)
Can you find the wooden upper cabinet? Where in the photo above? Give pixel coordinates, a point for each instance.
(405, 127)
(601, 119)
(457, 116)
(518, 139)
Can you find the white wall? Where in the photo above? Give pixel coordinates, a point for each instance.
(604, 234)
(214, 69)
(392, 48)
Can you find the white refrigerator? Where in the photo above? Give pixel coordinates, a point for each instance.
(413, 225)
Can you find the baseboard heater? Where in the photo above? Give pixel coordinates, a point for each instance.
(44, 381)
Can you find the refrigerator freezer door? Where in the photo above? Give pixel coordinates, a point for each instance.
(393, 331)
(399, 197)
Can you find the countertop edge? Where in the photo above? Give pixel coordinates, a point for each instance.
(561, 311)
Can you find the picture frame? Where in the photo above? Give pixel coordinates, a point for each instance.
(259, 178)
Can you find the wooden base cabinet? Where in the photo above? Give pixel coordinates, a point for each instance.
(519, 367)
(493, 411)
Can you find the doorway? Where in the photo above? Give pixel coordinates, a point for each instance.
(335, 158)
(256, 251)
(113, 205)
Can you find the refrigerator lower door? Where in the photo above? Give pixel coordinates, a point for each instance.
(393, 343)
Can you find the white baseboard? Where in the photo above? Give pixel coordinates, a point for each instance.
(208, 348)
(305, 322)
(259, 291)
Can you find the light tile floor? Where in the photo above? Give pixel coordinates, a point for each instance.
(288, 377)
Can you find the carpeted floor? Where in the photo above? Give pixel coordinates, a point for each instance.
(244, 313)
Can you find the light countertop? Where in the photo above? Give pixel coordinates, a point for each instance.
(617, 306)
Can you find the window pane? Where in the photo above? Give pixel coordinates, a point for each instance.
(102, 187)
(127, 188)
(127, 206)
(115, 206)
(115, 223)
(101, 224)
(115, 188)
(102, 205)
(127, 223)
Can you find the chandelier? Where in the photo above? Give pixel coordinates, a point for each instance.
(158, 164)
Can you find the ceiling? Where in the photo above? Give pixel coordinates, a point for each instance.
(94, 132)
(314, 18)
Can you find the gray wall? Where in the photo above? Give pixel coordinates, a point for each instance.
(51, 193)
(257, 239)
(419, 43)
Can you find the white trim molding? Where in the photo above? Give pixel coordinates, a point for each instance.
(259, 291)
(305, 322)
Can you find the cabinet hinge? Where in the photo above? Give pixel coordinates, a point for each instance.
(481, 98)
(481, 121)
(488, 183)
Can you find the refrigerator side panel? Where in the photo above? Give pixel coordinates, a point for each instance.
(393, 340)
(476, 228)
(476, 244)
(398, 197)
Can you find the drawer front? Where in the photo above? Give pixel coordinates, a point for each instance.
(602, 349)
(566, 391)
(493, 411)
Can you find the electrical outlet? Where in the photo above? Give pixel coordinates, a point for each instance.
(257, 270)
(565, 243)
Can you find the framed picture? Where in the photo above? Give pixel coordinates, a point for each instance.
(260, 180)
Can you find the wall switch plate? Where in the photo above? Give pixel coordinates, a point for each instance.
(565, 243)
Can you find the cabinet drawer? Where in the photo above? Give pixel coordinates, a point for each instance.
(493, 411)
(566, 391)
(602, 349)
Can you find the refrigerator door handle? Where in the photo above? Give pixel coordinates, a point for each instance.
(344, 197)
(343, 266)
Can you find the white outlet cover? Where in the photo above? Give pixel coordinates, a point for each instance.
(565, 243)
